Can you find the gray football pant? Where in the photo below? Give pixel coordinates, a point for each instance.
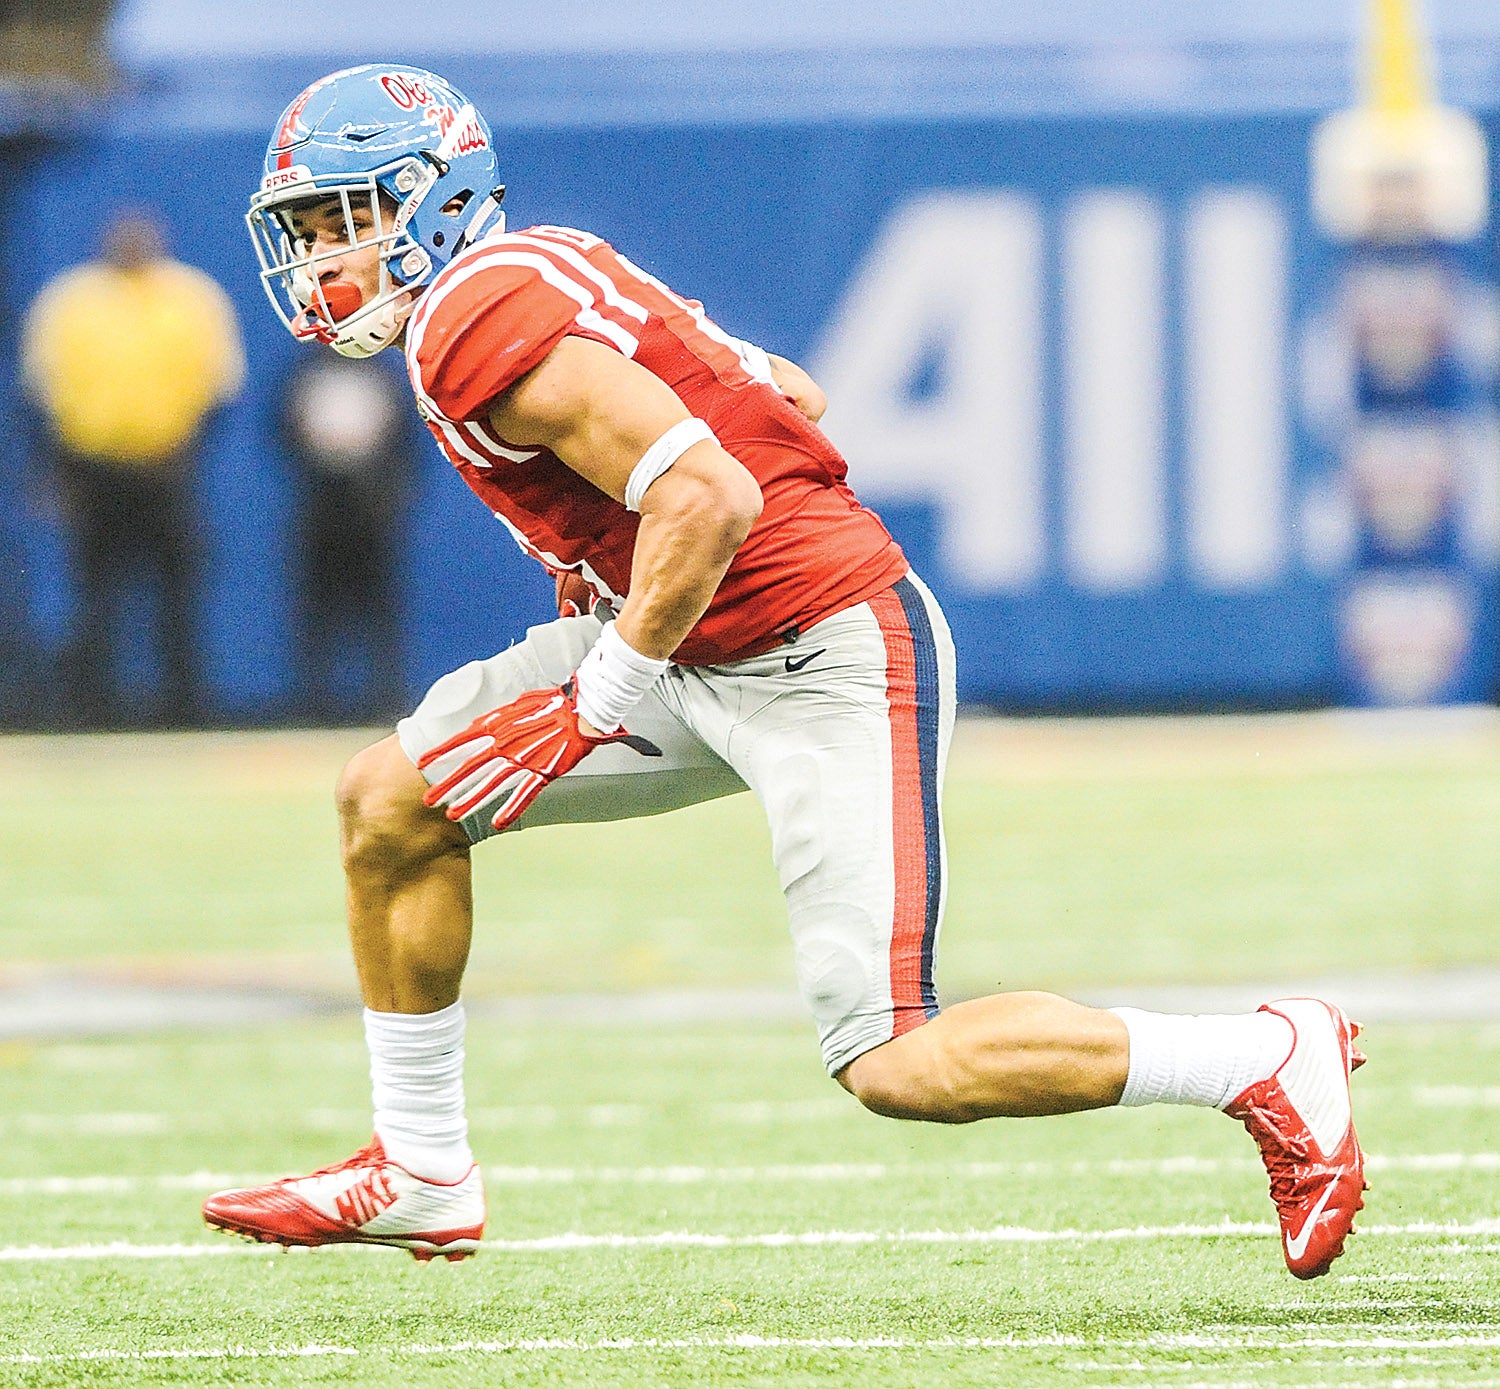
(842, 734)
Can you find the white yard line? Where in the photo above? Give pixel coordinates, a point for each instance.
(29, 1187)
(1160, 1342)
(1127, 1168)
(1000, 1235)
(104, 1124)
(783, 1239)
(122, 1249)
(1419, 1278)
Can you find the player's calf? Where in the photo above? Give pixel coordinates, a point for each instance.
(1012, 1054)
(409, 895)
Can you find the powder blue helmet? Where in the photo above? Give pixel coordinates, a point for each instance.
(406, 145)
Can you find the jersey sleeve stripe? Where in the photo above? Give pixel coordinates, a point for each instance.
(489, 255)
(454, 435)
(556, 565)
(463, 436)
(588, 317)
(580, 266)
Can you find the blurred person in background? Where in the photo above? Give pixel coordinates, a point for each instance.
(126, 359)
(348, 431)
(742, 623)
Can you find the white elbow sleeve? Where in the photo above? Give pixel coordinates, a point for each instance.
(660, 456)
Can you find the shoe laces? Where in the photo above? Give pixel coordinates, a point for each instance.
(370, 1155)
(1285, 1155)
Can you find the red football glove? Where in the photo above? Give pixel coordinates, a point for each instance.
(532, 741)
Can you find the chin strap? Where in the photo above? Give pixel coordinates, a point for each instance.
(489, 208)
(374, 331)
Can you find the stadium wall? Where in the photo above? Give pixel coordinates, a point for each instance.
(1070, 360)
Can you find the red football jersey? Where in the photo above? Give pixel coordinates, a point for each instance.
(501, 306)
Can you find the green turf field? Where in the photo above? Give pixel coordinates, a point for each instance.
(687, 1203)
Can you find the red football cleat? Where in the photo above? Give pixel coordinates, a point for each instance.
(366, 1199)
(1302, 1119)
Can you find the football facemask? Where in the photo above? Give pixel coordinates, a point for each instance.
(292, 264)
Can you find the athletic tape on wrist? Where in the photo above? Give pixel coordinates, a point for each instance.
(660, 456)
(612, 679)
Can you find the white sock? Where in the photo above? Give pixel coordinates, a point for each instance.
(1202, 1059)
(417, 1075)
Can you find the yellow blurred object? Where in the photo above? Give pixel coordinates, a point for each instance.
(14, 1055)
(1398, 65)
(127, 362)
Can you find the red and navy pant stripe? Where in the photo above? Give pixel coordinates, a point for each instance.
(913, 691)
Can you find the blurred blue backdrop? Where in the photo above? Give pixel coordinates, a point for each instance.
(1055, 265)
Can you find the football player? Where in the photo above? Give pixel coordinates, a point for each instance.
(741, 622)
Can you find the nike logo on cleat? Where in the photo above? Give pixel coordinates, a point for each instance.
(792, 667)
(363, 1201)
(1296, 1245)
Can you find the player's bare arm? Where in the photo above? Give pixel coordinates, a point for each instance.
(798, 387)
(607, 419)
(599, 413)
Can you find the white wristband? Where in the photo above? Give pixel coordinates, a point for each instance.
(612, 678)
(660, 456)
